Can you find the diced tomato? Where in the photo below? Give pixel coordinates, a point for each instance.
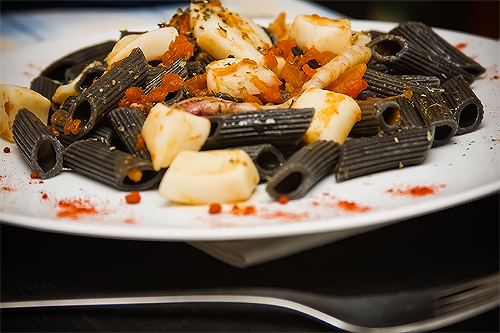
(270, 61)
(181, 22)
(178, 48)
(134, 95)
(271, 93)
(292, 75)
(197, 85)
(350, 82)
(308, 71)
(284, 49)
(169, 83)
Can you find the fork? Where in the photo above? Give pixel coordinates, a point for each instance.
(410, 311)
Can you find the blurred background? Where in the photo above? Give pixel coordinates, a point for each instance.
(478, 17)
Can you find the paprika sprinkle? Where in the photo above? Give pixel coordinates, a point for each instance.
(133, 198)
(75, 208)
(214, 209)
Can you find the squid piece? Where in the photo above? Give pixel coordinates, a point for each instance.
(168, 131)
(335, 114)
(328, 73)
(322, 33)
(12, 99)
(152, 43)
(220, 45)
(221, 32)
(220, 176)
(242, 78)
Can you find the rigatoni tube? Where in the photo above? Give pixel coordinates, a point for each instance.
(372, 154)
(37, 144)
(112, 167)
(304, 169)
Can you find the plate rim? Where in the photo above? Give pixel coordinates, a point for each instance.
(245, 232)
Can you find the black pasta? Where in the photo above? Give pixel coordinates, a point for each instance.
(155, 74)
(44, 86)
(267, 158)
(410, 116)
(466, 107)
(436, 113)
(103, 134)
(128, 122)
(89, 75)
(195, 68)
(405, 57)
(289, 149)
(425, 37)
(112, 167)
(381, 84)
(377, 115)
(57, 69)
(276, 126)
(102, 96)
(304, 169)
(37, 144)
(372, 154)
(418, 81)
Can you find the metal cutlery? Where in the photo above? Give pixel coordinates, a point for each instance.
(409, 311)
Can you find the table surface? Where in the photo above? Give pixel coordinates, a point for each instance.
(448, 246)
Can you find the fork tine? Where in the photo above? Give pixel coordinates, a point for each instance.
(466, 295)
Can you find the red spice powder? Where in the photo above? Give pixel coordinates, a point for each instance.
(6, 150)
(7, 189)
(130, 221)
(416, 191)
(461, 46)
(33, 175)
(215, 209)
(279, 214)
(243, 210)
(352, 207)
(75, 208)
(331, 201)
(495, 77)
(133, 198)
(44, 195)
(283, 200)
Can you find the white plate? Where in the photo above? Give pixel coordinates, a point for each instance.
(465, 169)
